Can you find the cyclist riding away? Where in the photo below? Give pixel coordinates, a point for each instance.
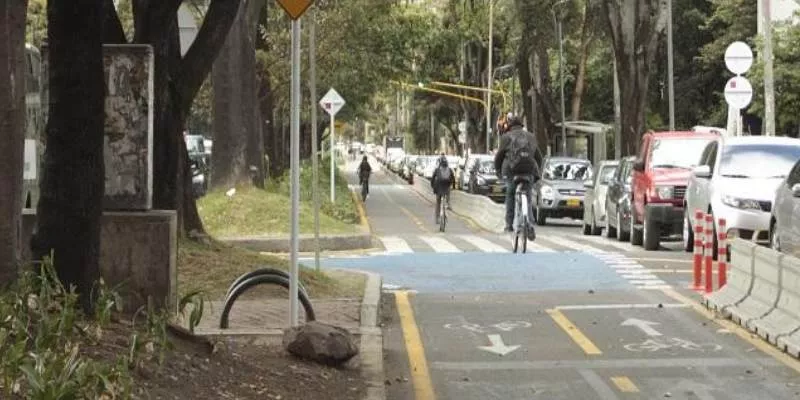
(441, 183)
(364, 171)
(517, 156)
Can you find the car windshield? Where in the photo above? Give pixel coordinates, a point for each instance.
(758, 160)
(606, 173)
(487, 167)
(569, 170)
(677, 152)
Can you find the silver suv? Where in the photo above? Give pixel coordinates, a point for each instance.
(560, 192)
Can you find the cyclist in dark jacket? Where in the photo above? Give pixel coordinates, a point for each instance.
(501, 162)
(442, 181)
(364, 171)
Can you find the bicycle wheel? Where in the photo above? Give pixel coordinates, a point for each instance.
(258, 280)
(524, 237)
(443, 216)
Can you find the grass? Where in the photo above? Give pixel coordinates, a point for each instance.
(212, 267)
(253, 211)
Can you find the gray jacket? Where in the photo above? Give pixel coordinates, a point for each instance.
(500, 161)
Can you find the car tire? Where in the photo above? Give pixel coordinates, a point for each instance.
(774, 240)
(635, 235)
(610, 232)
(622, 235)
(541, 217)
(688, 233)
(595, 230)
(651, 233)
(587, 229)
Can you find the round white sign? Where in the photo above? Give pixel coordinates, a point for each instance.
(738, 57)
(738, 92)
(462, 126)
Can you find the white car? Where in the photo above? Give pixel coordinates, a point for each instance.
(736, 179)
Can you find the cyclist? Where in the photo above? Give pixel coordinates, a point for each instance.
(518, 155)
(441, 183)
(364, 171)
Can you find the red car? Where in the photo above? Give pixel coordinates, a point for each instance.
(660, 175)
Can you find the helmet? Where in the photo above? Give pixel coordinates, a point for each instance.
(443, 160)
(513, 120)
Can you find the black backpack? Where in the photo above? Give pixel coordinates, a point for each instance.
(444, 177)
(521, 155)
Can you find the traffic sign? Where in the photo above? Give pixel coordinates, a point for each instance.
(295, 8)
(738, 57)
(738, 92)
(332, 102)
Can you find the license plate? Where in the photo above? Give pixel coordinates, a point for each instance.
(573, 203)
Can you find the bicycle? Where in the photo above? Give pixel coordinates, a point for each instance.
(522, 223)
(364, 189)
(442, 212)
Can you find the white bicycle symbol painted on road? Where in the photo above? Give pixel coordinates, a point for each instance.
(505, 326)
(653, 345)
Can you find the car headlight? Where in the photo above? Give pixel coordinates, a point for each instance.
(481, 181)
(744, 204)
(548, 192)
(665, 192)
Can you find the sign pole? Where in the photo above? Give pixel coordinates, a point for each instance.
(295, 171)
(333, 162)
(312, 56)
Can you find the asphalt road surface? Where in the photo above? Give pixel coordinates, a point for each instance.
(579, 317)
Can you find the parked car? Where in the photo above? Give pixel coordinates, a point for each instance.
(484, 180)
(736, 179)
(618, 201)
(469, 167)
(785, 218)
(560, 192)
(660, 175)
(594, 214)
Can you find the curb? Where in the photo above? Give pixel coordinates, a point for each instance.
(371, 349)
(273, 244)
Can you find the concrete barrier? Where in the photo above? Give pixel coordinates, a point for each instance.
(481, 210)
(785, 318)
(740, 281)
(764, 295)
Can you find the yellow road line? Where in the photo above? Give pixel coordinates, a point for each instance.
(362, 214)
(742, 333)
(573, 332)
(624, 384)
(420, 377)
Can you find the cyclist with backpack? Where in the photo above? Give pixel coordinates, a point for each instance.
(364, 171)
(517, 156)
(441, 183)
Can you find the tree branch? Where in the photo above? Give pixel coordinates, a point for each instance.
(201, 55)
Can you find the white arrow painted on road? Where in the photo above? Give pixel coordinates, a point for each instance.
(498, 347)
(643, 324)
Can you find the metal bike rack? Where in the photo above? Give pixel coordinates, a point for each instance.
(259, 277)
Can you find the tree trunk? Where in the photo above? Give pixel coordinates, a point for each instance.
(634, 27)
(73, 179)
(238, 141)
(580, 77)
(12, 134)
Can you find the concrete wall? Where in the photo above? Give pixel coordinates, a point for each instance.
(138, 250)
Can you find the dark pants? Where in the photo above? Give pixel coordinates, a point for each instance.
(511, 195)
(365, 186)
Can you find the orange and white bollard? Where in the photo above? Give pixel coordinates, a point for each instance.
(722, 254)
(698, 249)
(709, 253)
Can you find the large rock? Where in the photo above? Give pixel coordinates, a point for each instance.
(323, 343)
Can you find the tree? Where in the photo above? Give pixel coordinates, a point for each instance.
(12, 134)
(634, 27)
(238, 141)
(73, 180)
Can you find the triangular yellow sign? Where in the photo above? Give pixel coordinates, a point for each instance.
(295, 8)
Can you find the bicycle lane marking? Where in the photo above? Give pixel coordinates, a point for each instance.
(420, 375)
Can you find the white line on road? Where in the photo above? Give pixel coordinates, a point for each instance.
(573, 245)
(606, 242)
(440, 245)
(483, 244)
(634, 277)
(394, 244)
(532, 246)
(598, 384)
(620, 306)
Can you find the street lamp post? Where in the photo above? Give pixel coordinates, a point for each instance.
(561, 79)
(489, 78)
(670, 79)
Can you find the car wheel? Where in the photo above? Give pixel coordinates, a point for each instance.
(688, 233)
(651, 233)
(774, 240)
(587, 229)
(596, 230)
(635, 234)
(610, 231)
(622, 234)
(541, 217)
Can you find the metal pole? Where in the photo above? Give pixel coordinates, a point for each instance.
(617, 114)
(333, 162)
(397, 113)
(295, 172)
(561, 78)
(312, 58)
(670, 69)
(432, 130)
(769, 83)
(489, 78)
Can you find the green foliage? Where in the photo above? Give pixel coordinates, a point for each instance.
(36, 22)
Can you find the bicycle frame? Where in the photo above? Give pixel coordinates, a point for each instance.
(521, 206)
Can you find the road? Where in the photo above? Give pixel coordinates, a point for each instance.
(578, 318)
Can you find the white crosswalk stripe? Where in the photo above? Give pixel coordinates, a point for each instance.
(573, 245)
(606, 242)
(394, 244)
(439, 244)
(484, 245)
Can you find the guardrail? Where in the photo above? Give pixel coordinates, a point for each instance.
(481, 210)
(762, 294)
